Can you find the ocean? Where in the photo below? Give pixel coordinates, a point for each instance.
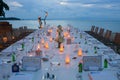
(84, 25)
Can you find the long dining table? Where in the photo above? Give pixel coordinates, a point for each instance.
(56, 64)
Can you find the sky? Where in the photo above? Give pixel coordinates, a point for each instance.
(64, 9)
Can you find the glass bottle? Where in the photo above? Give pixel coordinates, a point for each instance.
(23, 46)
(95, 49)
(13, 57)
(80, 67)
(105, 63)
(32, 39)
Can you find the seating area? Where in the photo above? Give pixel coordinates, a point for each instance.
(9, 35)
(107, 37)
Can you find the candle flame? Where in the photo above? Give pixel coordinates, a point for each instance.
(61, 48)
(80, 52)
(68, 36)
(65, 34)
(67, 59)
(5, 39)
(42, 41)
(50, 30)
(38, 47)
(51, 39)
(46, 45)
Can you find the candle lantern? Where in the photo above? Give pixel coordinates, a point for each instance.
(42, 41)
(67, 59)
(61, 48)
(46, 45)
(38, 47)
(68, 36)
(65, 34)
(38, 51)
(5, 39)
(50, 30)
(80, 52)
(51, 39)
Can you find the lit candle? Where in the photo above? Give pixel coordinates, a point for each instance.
(42, 41)
(46, 45)
(5, 39)
(67, 59)
(38, 52)
(51, 39)
(38, 47)
(50, 30)
(68, 36)
(80, 52)
(61, 48)
(65, 34)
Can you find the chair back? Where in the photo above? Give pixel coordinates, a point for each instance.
(108, 34)
(96, 30)
(92, 28)
(101, 32)
(117, 39)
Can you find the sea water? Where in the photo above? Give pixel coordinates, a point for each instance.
(84, 25)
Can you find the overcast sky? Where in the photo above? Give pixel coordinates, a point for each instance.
(64, 9)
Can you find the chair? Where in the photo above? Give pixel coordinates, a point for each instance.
(96, 30)
(91, 32)
(92, 28)
(106, 38)
(117, 39)
(107, 35)
(101, 32)
(95, 33)
(115, 44)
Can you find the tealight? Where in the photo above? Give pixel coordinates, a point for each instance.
(67, 59)
(42, 41)
(5, 39)
(68, 36)
(65, 34)
(80, 52)
(46, 45)
(61, 48)
(51, 39)
(38, 47)
(50, 30)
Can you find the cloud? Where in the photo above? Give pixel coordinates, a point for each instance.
(86, 5)
(15, 4)
(64, 8)
(63, 3)
(75, 3)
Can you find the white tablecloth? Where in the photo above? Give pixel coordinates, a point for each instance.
(62, 71)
